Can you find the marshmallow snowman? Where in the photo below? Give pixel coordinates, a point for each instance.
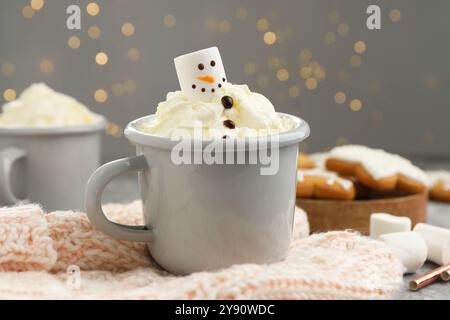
(201, 74)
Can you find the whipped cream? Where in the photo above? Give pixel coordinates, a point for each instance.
(252, 114)
(40, 106)
(379, 163)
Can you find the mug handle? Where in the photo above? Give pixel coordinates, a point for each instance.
(8, 157)
(93, 196)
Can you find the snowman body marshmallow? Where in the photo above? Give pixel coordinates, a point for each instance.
(201, 74)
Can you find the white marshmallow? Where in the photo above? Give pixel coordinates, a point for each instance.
(410, 247)
(438, 242)
(201, 74)
(382, 223)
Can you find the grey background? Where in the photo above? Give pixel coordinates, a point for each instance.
(403, 81)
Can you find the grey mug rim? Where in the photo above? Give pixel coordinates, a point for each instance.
(298, 133)
(55, 130)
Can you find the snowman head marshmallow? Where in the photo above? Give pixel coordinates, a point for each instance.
(201, 74)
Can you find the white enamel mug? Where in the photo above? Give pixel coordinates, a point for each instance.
(49, 166)
(204, 217)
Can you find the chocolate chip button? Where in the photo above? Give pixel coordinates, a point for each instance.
(227, 102)
(229, 124)
(225, 137)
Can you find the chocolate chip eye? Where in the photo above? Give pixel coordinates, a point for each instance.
(223, 79)
(227, 102)
(201, 66)
(229, 124)
(194, 86)
(203, 89)
(213, 63)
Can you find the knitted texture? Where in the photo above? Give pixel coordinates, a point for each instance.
(78, 243)
(41, 255)
(24, 240)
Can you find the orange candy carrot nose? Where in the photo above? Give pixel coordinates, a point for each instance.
(209, 79)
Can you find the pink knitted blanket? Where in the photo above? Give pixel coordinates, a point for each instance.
(59, 255)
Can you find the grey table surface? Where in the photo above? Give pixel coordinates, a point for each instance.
(125, 188)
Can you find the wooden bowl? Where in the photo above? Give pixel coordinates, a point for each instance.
(328, 215)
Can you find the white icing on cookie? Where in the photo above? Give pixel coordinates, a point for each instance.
(319, 159)
(379, 163)
(331, 177)
(440, 176)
